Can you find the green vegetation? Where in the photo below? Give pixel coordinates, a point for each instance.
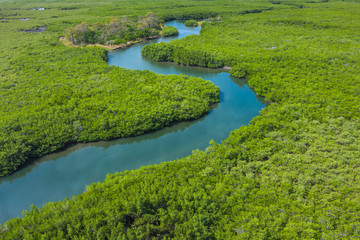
(293, 173)
(172, 52)
(116, 31)
(52, 96)
(97, 102)
(191, 23)
(169, 31)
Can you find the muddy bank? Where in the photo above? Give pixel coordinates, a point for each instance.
(109, 47)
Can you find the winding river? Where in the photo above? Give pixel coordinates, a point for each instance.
(66, 173)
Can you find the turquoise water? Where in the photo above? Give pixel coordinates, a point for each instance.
(65, 174)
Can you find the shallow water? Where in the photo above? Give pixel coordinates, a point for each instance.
(66, 173)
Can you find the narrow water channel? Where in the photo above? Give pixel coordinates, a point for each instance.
(65, 174)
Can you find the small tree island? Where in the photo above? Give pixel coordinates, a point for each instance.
(169, 31)
(191, 23)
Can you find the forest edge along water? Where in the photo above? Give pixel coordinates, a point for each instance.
(67, 173)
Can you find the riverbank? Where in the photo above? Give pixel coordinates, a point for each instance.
(110, 102)
(91, 162)
(108, 47)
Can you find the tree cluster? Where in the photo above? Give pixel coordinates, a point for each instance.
(180, 54)
(169, 31)
(191, 23)
(115, 31)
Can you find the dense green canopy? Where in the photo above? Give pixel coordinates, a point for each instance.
(293, 173)
(52, 96)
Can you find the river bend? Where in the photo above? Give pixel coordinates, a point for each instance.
(66, 173)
